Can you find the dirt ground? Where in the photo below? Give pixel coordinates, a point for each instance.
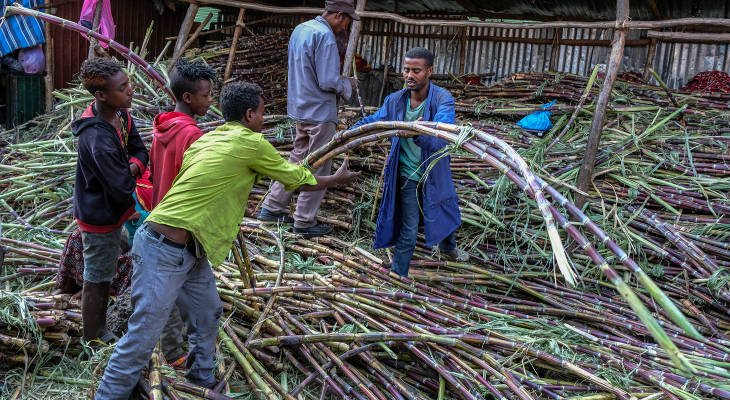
(118, 313)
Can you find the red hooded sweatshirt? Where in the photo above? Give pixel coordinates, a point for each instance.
(174, 133)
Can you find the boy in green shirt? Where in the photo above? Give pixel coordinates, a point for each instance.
(195, 222)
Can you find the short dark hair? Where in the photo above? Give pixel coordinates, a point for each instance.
(422, 53)
(96, 71)
(237, 98)
(186, 75)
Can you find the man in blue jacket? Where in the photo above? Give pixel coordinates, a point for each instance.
(407, 190)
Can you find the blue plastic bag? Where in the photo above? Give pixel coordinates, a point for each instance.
(537, 121)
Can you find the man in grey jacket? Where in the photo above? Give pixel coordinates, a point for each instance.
(314, 84)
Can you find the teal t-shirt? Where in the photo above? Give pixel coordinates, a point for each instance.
(409, 160)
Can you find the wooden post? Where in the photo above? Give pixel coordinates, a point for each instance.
(185, 30)
(192, 37)
(352, 43)
(585, 176)
(650, 55)
(555, 49)
(50, 66)
(95, 27)
(232, 53)
(462, 53)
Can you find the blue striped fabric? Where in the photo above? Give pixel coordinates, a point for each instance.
(19, 31)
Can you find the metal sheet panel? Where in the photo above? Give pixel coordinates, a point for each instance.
(131, 17)
(676, 63)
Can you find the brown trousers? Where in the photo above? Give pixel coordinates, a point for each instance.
(308, 138)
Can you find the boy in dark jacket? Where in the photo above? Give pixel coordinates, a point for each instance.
(110, 157)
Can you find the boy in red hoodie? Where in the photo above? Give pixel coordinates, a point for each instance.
(174, 132)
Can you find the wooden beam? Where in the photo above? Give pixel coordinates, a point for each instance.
(489, 38)
(650, 55)
(689, 37)
(555, 48)
(185, 29)
(352, 43)
(669, 23)
(585, 176)
(95, 27)
(234, 43)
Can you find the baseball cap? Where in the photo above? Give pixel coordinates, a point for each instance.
(345, 6)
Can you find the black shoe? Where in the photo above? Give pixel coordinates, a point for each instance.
(314, 231)
(268, 216)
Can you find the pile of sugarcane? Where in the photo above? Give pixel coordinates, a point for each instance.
(260, 59)
(625, 298)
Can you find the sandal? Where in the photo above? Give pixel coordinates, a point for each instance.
(108, 338)
(179, 364)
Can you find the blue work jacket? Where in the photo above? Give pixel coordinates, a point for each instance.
(440, 206)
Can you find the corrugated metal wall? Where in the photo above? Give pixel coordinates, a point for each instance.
(675, 62)
(131, 17)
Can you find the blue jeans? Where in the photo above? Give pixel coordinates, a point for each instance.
(409, 196)
(165, 275)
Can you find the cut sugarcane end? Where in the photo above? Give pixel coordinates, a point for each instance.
(561, 258)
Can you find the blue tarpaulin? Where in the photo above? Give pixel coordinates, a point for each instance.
(19, 31)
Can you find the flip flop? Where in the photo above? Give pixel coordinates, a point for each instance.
(108, 338)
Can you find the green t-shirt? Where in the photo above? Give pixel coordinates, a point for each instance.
(409, 160)
(209, 195)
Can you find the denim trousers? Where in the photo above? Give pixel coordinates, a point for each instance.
(409, 197)
(165, 275)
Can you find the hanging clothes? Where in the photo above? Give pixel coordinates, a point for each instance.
(106, 23)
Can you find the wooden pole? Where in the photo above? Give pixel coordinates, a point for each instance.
(195, 34)
(185, 30)
(669, 23)
(585, 176)
(95, 27)
(650, 55)
(50, 67)
(352, 43)
(232, 53)
(555, 49)
(192, 37)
